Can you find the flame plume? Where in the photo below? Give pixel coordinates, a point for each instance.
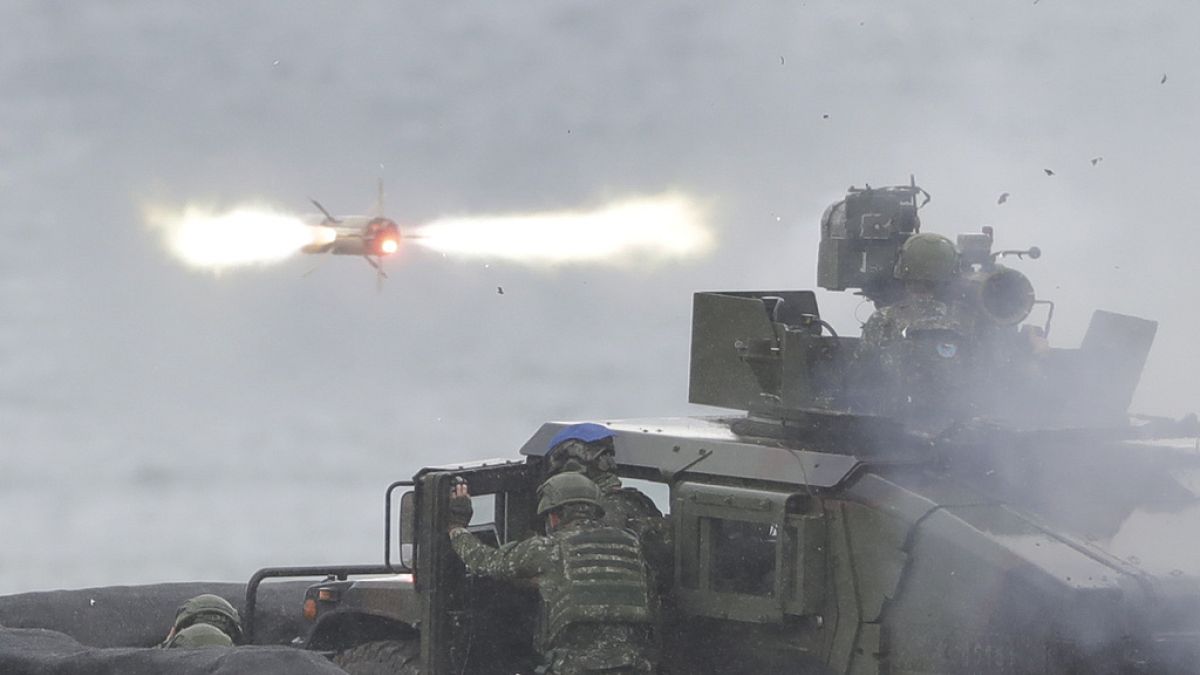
(242, 236)
(656, 228)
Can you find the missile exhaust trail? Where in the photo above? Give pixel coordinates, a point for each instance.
(666, 227)
(645, 230)
(241, 236)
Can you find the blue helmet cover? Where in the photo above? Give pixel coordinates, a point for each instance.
(586, 432)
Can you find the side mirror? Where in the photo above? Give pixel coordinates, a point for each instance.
(408, 528)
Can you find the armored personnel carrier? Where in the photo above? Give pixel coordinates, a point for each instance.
(962, 498)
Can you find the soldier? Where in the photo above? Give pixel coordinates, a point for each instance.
(199, 635)
(208, 615)
(913, 347)
(926, 264)
(597, 603)
(588, 448)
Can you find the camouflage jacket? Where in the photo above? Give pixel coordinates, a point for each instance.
(629, 509)
(913, 357)
(888, 324)
(581, 643)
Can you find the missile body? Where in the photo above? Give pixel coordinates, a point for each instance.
(355, 235)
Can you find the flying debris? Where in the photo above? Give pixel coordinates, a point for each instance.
(1164, 79)
(1048, 172)
(1003, 198)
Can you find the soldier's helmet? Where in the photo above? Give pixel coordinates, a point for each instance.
(566, 488)
(586, 433)
(211, 609)
(927, 257)
(200, 635)
(586, 447)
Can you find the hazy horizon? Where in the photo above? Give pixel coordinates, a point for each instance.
(165, 423)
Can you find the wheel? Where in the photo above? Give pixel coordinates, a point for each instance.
(385, 657)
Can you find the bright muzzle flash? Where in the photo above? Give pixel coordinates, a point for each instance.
(241, 236)
(654, 228)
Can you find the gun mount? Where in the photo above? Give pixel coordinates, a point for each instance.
(770, 353)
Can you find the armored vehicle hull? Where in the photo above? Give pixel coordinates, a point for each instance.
(1029, 553)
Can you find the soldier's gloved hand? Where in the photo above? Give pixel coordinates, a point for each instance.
(461, 510)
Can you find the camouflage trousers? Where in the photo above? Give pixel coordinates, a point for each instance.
(602, 649)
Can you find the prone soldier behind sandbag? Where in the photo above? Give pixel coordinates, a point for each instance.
(202, 621)
(199, 635)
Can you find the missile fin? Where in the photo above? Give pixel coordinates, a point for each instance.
(328, 217)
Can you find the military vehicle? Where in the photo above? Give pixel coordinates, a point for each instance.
(1027, 524)
(998, 512)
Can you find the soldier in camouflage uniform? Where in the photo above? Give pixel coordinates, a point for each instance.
(199, 635)
(588, 448)
(200, 619)
(914, 346)
(597, 602)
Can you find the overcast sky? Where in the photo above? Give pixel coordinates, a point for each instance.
(131, 385)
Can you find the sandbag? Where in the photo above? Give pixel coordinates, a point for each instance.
(26, 651)
(140, 616)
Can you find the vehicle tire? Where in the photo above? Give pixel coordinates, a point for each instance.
(385, 657)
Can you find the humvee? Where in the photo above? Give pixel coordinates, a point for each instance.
(1039, 529)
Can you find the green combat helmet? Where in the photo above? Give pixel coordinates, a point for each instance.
(200, 635)
(927, 257)
(209, 609)
(567, 488)
(588, 449)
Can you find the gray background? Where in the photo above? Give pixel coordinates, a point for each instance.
(162, 423)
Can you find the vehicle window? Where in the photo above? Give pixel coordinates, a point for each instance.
(733, 556)
(485, 509)
(742, 556)
(483, 519)
(659, 493)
